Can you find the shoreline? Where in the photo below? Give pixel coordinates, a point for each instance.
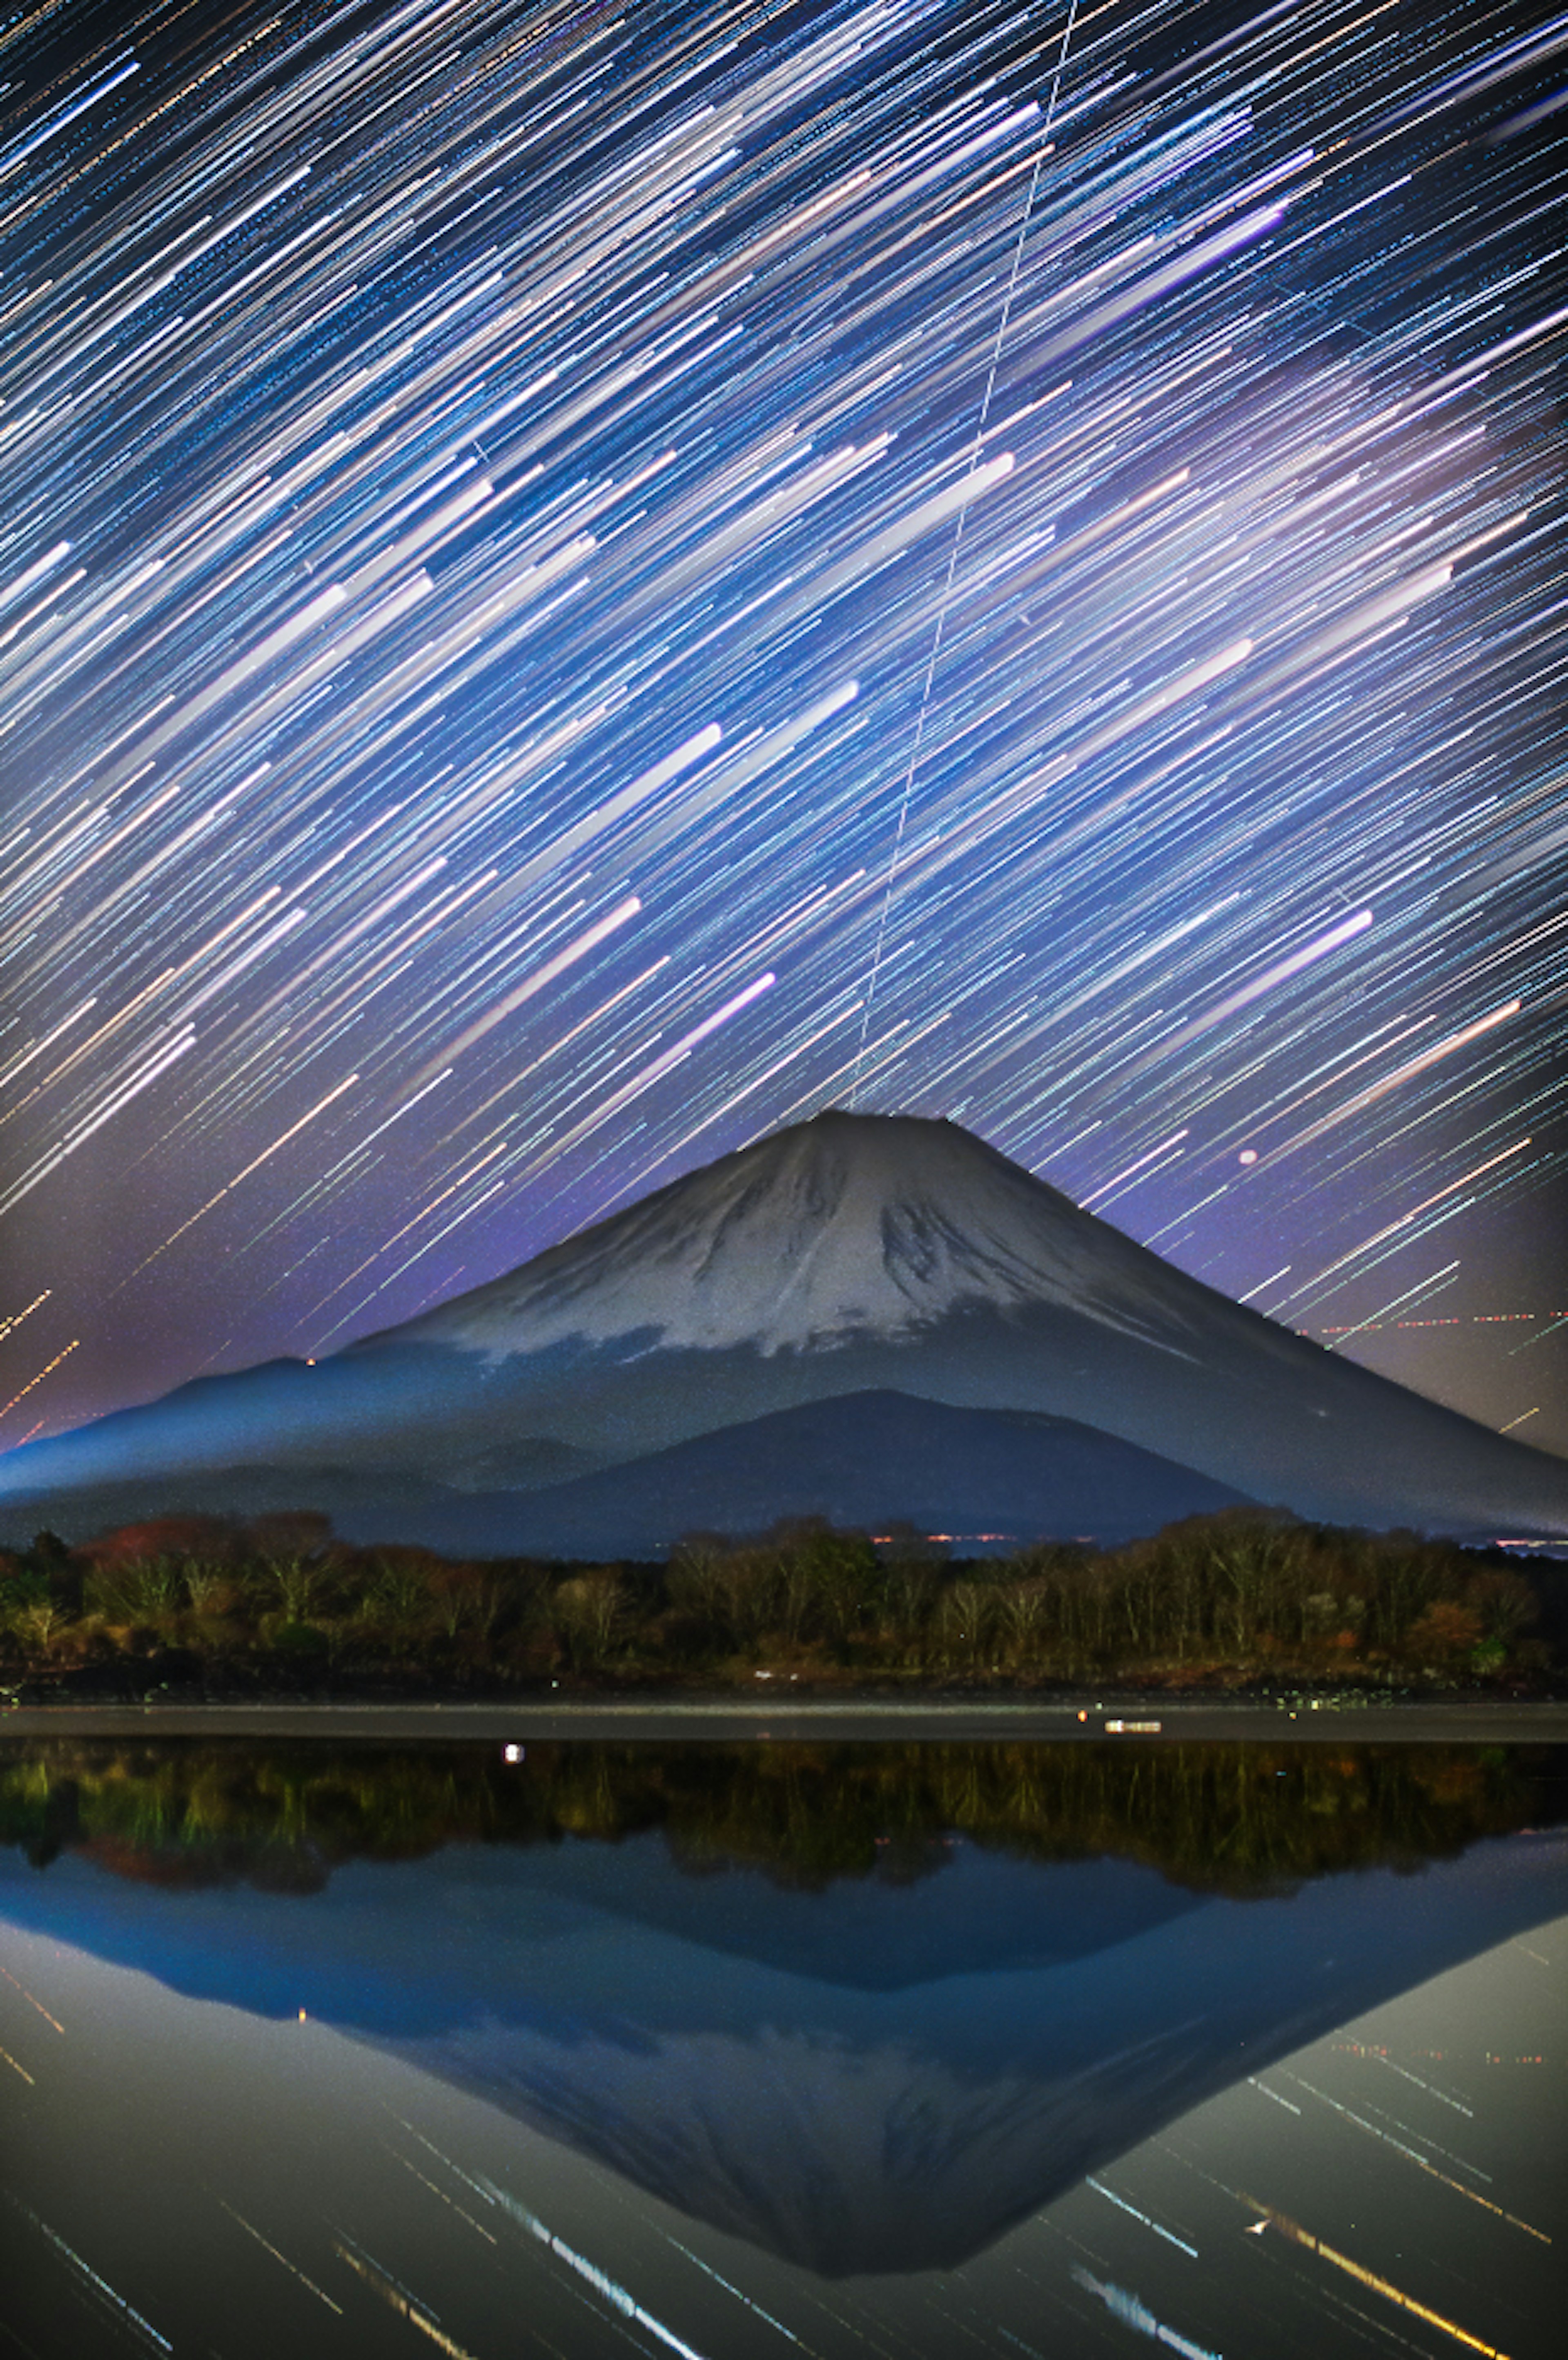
(848, 1720)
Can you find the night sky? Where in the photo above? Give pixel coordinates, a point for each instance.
(577, 583)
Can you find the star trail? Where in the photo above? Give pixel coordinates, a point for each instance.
(577, 583)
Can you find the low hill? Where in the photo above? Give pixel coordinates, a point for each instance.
(985, 1479)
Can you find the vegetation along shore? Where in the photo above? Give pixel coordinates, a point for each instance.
(200, 1608)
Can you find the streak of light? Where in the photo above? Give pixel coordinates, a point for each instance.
(33, 572)
(440, 2192)
(1303, 2238)
(1379, 1236)
(124, 2312)
(150, 1072)
(613, 2291)
(463, 1214)
(1045, 149)
(18, 2069)
(1420, 2161)
(1152, 1156)
(1262, 2087)
(27, 1995)
(1402, 1074)
(531, 985)
(68, 114)
(668, 1059)
(708, 2271)
(404, 2305)
(1378, 2057)
(14, 1320)
(253, 1165)
(1136, 2315)
(1457, 1319)
(47, 1040)
(1123, 2206)
(1280, 972)
(1433, 1283)
(46, 1371)
(758, 1081)
(1557, 1324)
(1464, 2164)
(251, 2231)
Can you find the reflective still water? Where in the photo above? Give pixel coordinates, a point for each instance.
(890, 2050)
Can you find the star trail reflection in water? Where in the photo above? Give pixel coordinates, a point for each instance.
(731, 2049)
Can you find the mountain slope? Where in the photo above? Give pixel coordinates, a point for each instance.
(986, 1478)
(847, 1226)
(849, 1254)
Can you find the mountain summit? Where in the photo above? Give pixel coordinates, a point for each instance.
(842, 1229)
(849, 1255)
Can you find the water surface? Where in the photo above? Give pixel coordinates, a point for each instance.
(761, 2049)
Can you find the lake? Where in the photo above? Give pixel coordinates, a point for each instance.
(722, 2049)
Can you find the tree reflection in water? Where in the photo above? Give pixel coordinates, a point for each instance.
(1226, 1818)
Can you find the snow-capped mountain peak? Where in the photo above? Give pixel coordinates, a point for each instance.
(841, 1227)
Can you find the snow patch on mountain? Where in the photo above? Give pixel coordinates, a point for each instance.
(841, 1228)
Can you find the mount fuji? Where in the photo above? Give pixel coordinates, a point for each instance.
(852, 1255)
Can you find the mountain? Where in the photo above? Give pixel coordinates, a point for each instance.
(984, 1479)
(846, 1255)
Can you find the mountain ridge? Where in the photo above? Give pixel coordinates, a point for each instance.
(984, 1479)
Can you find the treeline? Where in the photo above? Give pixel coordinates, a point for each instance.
(1243, 1596)
(1240, 1819)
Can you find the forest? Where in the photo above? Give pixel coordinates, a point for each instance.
(1245, 1599)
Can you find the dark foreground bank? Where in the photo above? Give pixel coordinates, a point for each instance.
(1134, 1719)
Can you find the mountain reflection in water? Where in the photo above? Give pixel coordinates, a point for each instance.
(864, 2007)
